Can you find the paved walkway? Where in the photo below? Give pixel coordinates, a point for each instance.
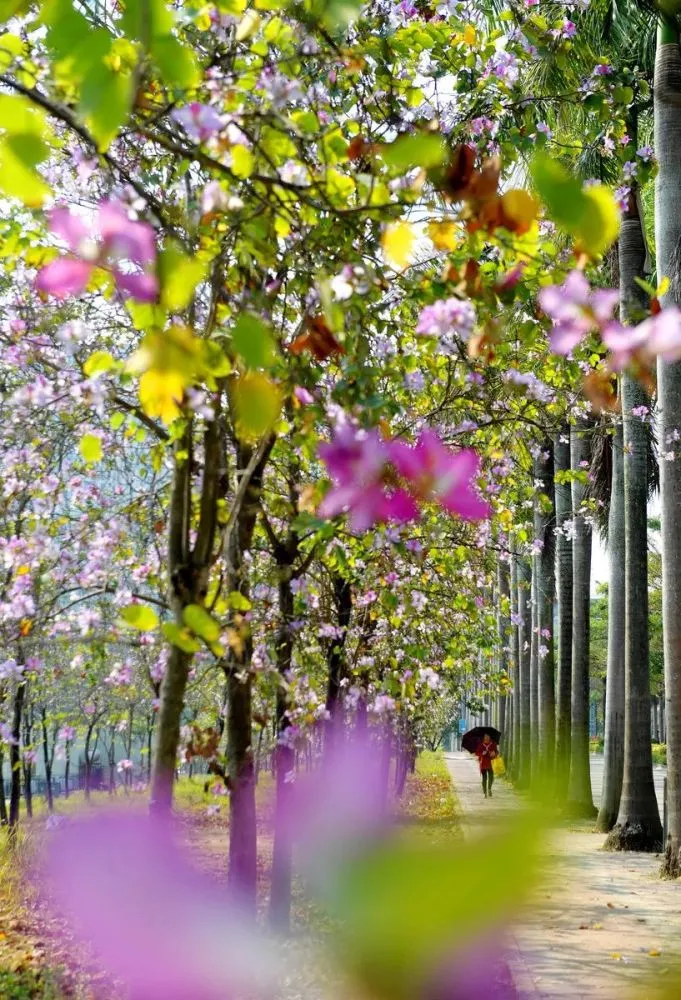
(602, 926)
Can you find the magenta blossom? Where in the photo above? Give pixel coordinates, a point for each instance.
(153, 920)
(656, 337)
(111, 240)
(576, 310)
(199, 121)
(357, 462)
(433, 472)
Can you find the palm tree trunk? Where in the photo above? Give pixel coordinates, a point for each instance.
(579, 797)
(638, 825)
(515, 669)
(668, 242)
(563, 503)
(504, 629)
(534, 671)
(613, 756)
(524, 573)
(545, 535)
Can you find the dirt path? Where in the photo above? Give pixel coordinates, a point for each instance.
(602, 926)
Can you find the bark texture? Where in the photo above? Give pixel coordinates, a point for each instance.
(563, 504)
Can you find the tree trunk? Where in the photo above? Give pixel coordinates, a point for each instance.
(515, 668)
(242, 812)
(15, 758)
(335, 657)
(67, 768)
(3, 803)
(168, 729)
(534, 672)
(613, 757)
(563, 504)
(668, 244)
(524, 572)
(280, 897)
(579, 797)
(47, 760)
(638, 825)
(545, 534)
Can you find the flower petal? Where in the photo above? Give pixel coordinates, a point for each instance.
(63, 277)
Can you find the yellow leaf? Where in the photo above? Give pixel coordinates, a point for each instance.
(663, 287)
(257, 404)
(248, 26)
(398, 244)
(469, 35)
(520, 206)
(161, 393)
(601, 225)
(243, 162)
(654, 953)
(443, 235)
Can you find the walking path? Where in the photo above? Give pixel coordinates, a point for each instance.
(602, 926)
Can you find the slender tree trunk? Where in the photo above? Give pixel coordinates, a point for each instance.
(545, 534)
(564, 587)
(668, 247)
(280, 897)
(3, 803)
(638, 825)
(515, 668)
(534, 672)
(335, 657)
(47, 760)
(613, 756)
(15, 757)
(524, 637)
(242, 811)
(67, 768)
(580, 798)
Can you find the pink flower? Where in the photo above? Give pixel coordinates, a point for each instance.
(111, 239)
(199, 121)
(162, 917)
(357, 462)
(656, 337)
(435, 473)
(576, 310)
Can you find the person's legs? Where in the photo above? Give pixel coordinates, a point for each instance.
(490, 782)
(485, 778)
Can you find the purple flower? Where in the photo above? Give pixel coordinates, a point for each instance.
(656, 337)
(357, 460)
(575, 310)
(602, 69)
(303, 396)
(199, 121)
(447, 319)
(111, 240)
(162, 918)
(646, 153)
(568, 29)
(435, 473)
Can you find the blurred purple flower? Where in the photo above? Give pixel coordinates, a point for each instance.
(576, 310)
(357, 460)
(111, 239)
(433, 472)
(656, 337)
(154, 921)
(199, 121)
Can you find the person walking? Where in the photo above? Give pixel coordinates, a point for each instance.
(486, 751)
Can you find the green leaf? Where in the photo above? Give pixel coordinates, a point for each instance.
(175, 62)
(588, 214)
(19, 156)
(116, 421)
(152, 24)
(140, 616)
(105, 101)
(90, 448)
(179, 276)
(409, 151)
(10, 8)
(257, 404)
(402, 906)
(238, 602)
(100, 361)
(180, 637)
(201, 623)
(253, 342)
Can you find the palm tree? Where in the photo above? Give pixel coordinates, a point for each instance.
(579, 796)
(545, 536)
(524, 575)
(613, 762)
(563, 506)
(503, 628)
(515, 668)
(638, 823)
(667, 240)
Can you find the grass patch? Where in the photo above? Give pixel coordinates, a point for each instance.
(429, 801)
